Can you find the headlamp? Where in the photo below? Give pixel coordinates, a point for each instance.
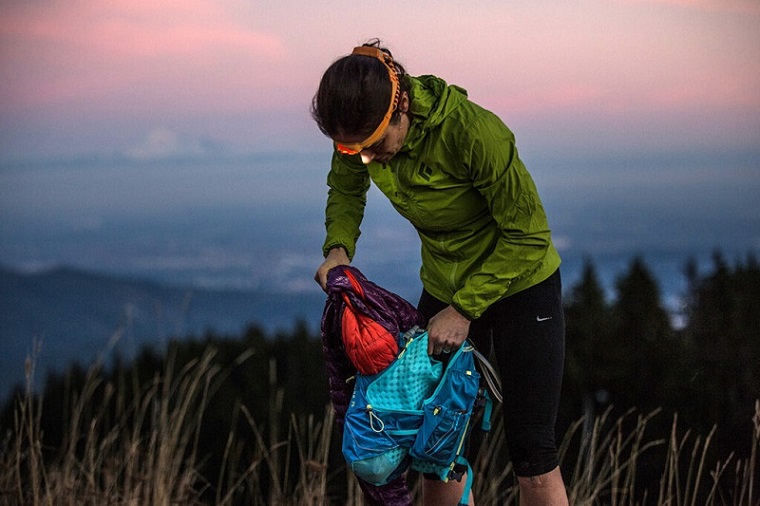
(385, 58)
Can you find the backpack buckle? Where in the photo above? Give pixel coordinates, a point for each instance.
(480, 400)
(453, 475)
(456, 473)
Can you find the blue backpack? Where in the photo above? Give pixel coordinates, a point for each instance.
(415, 413)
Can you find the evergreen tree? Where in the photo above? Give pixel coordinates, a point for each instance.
(724, 329)
(587, 365)
(643, 344)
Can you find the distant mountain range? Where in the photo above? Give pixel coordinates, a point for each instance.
(76, 316)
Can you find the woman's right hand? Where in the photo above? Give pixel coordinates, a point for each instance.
(335, 257)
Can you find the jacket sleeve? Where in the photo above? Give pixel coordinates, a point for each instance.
(524, 242)
(348, 182)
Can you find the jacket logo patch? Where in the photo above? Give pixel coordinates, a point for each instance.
(425, 172)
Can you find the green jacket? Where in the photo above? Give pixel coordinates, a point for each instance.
(459, 181)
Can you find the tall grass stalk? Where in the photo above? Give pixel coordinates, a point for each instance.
(142, 453)
(267, 478)
(313, 456)
(605, 468)
(494, 484)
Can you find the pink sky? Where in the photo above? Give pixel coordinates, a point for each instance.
(159, 77)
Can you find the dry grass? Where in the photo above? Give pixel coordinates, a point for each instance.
(606, 468)
(137, 455)
(145, 452)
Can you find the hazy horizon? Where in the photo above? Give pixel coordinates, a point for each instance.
(257, 222)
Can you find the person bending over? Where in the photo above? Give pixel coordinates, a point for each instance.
(489, 269)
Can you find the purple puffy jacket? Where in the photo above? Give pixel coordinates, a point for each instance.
(396, 315)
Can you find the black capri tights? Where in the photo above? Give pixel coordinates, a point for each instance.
(526, 332)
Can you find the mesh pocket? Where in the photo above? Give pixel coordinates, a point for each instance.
(372, 453)
(379, 469)
(408, 381)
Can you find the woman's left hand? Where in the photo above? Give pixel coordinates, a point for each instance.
(447, 331)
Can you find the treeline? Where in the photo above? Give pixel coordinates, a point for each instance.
(622, 353)
(626, 353)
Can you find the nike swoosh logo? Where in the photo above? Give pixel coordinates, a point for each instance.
(539, 319)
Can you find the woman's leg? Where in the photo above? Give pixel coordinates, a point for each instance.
(438, 493)
(546, 489)
(528, 340)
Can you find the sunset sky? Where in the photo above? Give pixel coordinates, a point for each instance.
(157, 78)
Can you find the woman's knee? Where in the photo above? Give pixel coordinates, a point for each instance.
(533, 453)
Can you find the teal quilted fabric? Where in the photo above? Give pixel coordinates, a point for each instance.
(408, 381)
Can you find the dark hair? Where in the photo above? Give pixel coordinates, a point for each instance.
(354, 94)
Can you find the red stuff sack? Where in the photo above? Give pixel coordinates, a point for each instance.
(369, 346)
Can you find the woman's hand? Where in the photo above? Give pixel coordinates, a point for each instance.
(447, 331)
(335, 257)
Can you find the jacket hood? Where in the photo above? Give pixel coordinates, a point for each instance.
(432, 99)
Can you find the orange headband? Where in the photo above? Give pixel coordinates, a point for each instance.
(385, 58)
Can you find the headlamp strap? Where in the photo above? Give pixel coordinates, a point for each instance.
(374, 52)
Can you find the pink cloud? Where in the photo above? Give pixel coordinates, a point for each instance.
(729, 6)
(253, 66)
(108, 51)
(624, 61)
(568, 96)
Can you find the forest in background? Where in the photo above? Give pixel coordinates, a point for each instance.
(623, 356)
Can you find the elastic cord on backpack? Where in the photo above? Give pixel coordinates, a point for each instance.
(490, 375)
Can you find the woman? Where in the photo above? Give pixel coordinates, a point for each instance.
(489, 269)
